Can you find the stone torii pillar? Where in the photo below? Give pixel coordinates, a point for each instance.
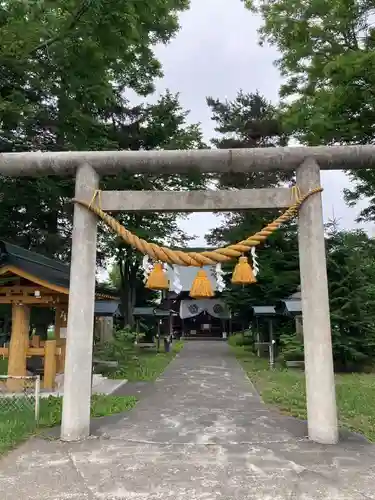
(320, 382)
(78, 364)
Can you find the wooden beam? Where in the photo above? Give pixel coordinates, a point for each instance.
(57, 291)
(30, 300)
(27, 295)
(23, 289)
(185, 161)
(194, 201)
(18, 346)
(48, 305)
(33, 351)
(34, 279)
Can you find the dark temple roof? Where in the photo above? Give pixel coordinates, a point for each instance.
(291, 306)
(105, 308)
(50, 271)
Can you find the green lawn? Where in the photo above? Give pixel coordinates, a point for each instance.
(286, 389)
(17, 421)
(136, 364)
(3, 366)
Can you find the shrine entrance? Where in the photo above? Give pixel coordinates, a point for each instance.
(88, 166)
(205, 319)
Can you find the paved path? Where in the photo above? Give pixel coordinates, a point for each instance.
(203, 434)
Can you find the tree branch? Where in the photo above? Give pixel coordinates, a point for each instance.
(75, 18)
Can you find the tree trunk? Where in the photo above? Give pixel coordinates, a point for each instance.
(128, 274)
(52, 240)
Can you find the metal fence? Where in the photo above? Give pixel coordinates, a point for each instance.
(20, 400)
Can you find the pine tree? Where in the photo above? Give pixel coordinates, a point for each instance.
(351, 273)
(250, 121)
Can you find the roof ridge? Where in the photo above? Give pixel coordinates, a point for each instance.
(28, 255)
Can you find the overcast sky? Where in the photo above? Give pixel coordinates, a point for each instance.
(216, 54)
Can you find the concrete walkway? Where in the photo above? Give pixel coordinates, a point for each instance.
(203, 434)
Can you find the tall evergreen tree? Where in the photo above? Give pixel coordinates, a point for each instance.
(250, 121)
(351, 277)
(163, 125)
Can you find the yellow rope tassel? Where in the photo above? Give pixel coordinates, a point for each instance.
(158, 279)
(243, 274)
(201, 287)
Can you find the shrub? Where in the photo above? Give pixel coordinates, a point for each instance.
(291, 355)
(236, 339)
(241, 339)
(291, 348)
(126, 335)
(119, 346)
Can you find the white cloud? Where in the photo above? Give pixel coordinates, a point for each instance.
(216, 53)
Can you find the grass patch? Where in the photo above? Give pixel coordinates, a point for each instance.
(286, 389)
(3, 366)
(17, 416)
(136, 364)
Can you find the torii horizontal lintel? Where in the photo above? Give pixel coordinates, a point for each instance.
(184, 161)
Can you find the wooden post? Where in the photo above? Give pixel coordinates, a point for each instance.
(61, 340)
(27, 337)
(58, 325)
(18, 345)
(49, 364)
(61, 358)
(299, 327)
(271, 343)
(108, 329)
(35, 341)
(58, 320)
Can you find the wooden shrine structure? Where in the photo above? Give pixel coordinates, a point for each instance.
(30, 280)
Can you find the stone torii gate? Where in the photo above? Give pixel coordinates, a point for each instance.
(88, 166)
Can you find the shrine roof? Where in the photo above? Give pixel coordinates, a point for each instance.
(290, 306)
(40, 269)
(264, 310)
